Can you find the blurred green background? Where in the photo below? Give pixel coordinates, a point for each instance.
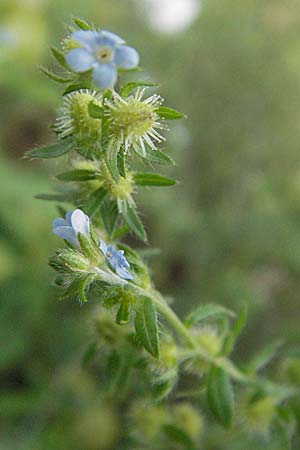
(230, 232)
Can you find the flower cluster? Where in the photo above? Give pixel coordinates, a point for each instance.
(103, 52)
(104, 133)
(76, 222)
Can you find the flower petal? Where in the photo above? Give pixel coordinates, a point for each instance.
(68, 217)
(123, 273)
(59, 222)
(80, 222)
(66, 233)
(112, 37)
(79, 59)
(105, 75)
(87, 38)
(103, 247)
(126, 57)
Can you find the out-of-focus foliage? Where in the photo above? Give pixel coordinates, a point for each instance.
(234, 228)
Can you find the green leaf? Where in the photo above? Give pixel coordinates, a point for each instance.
(89, 353)
(129, 87)
(95, 111)
(81, 84)
(152, 179)
(87, 247)
(95, 201)
(146, 325)
(156, 156)
(81, 23)
(237, 328)
(169, 113)
(109, 213)
(77, 175)
(121, 163)
(112, 161)
(53, 197)
(263, 357)
(123, 314)
(207, 311)
(134, 222)
(49, 151)
(178, 436)
(78, 288)
(60, 58)
(220, 396)
(50, 74)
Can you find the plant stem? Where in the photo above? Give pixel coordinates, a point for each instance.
(173, 320)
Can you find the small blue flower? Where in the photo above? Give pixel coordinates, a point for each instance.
(116, 260)
(103, 52)
(75, 222)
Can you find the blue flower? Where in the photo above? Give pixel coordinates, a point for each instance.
(116, 260)
(103, 52)
(75, 222)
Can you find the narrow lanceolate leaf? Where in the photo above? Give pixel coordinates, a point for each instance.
(121, 163)
(77, 175)
(236, 330)
(134, 222)
(81, 23)
(220, 396)
(95, 201)
(112, 161)
(169, 113)
(50, 74)
(152, 179)
(95, 111)
(89, 354)
(49, 151)
(146, 326)
(208, 311)
(81, 84)
(59, 56)
(158, 157)
(123, 314)
(129, 87)
(109, 214)
(264, 356)
(53, 197)
(178, 436)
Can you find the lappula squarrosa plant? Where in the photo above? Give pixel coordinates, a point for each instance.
(143, 351)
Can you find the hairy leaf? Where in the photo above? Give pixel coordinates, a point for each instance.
(237, 328)
(146, 325)
(49, 151)
(95, 201)
(220, 396)
(152, 179)
(169, 113)
(131, 85)
(77, 175)
(207, 311)
(134, 222)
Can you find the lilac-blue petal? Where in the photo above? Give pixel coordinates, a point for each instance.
(103, 247)
(123, 273)
(79, 59)
(66, 233)
(68, 217)
(80, 222)
(126, 57)
(87, 38)
(105, 75)
(59, 222)
(114, 38)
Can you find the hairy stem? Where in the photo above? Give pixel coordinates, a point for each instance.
(196, 350)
